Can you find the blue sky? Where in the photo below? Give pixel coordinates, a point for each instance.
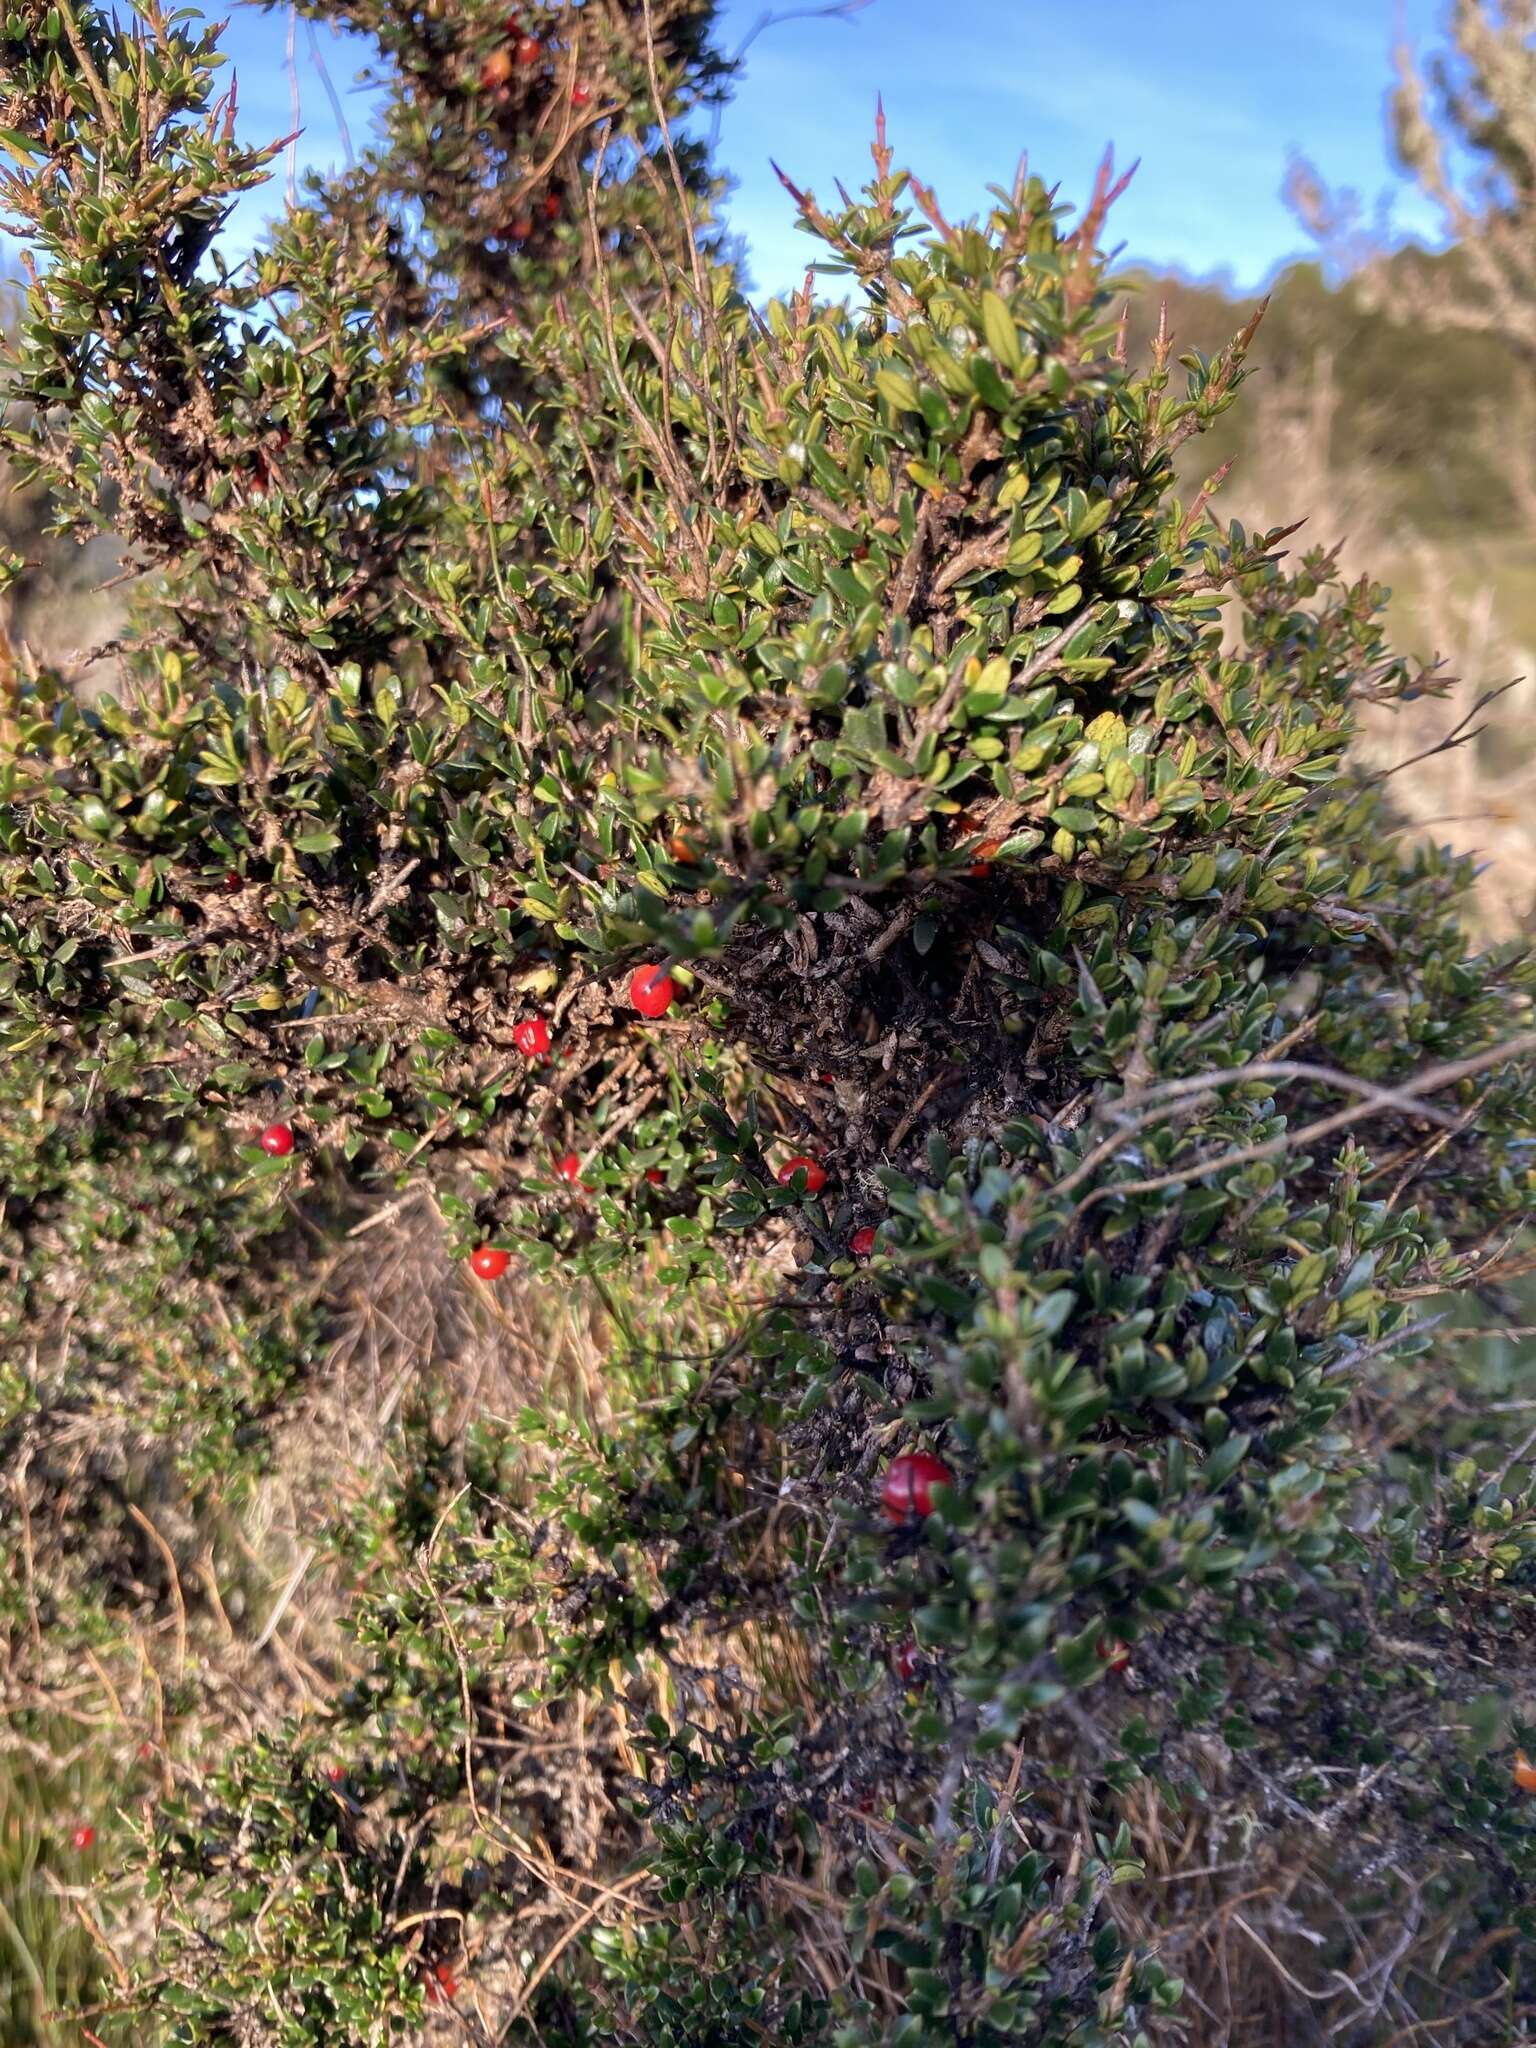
(1210, 100)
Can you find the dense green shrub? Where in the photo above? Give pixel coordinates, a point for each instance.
(991, 808)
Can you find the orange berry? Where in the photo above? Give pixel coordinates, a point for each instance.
(495, 71)
(1525, 1772)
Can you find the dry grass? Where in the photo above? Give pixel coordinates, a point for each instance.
(1471, 606)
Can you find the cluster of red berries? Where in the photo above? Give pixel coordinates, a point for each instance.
(862, 1243)
(523, 52)
(652, 991)
(520, 52)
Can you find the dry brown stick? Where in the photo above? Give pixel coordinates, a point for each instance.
(917, 1109)
(176, 1595)
(1454, 738)
(87, 65)
(883, 942)
(28, 1558)
(285, 1597)
(626, 1116)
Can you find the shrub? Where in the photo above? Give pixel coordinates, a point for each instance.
(990, 809)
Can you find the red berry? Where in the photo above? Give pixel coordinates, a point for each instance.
(84, 1836)
(551, 205)
(231, 883)
(580, 95)
(1115, 1654)
(495, 72)
(521, 228)
(862, 1242)
(655, 1176)
(531, 1037)
(528, 50)
(906, 1492)
(335, 1772)
(652, 991)
(815, 1174)
(277, 1140)
(441, 1984)
(488, 1263)
(907, 1661)
(567, 1166)
(982, 865)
